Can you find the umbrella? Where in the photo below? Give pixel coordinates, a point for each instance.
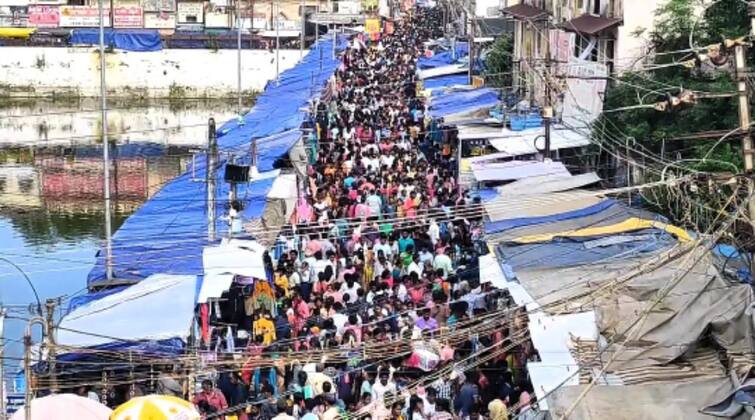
(155, 407)
(65, 407)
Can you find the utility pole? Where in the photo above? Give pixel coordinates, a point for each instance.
(471, 33)
(105, 144)
(51, 352)
(212, 150)
(335, 39)
(277, 43)
(302, 36)
(27, 361)
(548, 108)
(744, 117)
(238, 54)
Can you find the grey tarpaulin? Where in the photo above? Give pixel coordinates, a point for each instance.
(702, 303)
(670, 401)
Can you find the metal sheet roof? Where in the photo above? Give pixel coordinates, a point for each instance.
(591, 24)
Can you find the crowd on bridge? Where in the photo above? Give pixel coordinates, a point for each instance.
(383, 249)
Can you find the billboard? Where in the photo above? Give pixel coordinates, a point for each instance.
(44, 16)
(160, 20)
(190, 12)
(128, 17)
(82, 16)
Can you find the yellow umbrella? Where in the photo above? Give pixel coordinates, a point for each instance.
(155, 407)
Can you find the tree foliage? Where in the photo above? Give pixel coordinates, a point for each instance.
(498, 62)
(674, 22)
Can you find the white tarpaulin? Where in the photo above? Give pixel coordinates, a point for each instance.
(491, 272)
(243, 258)
(213, 286)
(586, 86)
(518, 169)
(442, 71)
(284, 187)
(527, 142)
(159, 307)
(548, 184)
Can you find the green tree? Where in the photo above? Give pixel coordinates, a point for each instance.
(677, 23)
(498, 62)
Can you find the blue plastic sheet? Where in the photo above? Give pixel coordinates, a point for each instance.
(445, 81)
(459, 101)
(123, 39)
(167, 234)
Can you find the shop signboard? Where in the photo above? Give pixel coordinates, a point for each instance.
(14, 16)
(190, 12)
(43, 16)
(217, 17)
(159, 6)
(160, 20)
(82, 16)
(128, 17)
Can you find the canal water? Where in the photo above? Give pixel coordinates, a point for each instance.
(51, 208)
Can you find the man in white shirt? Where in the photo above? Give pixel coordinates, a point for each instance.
(381, 386)
(433, 231)
(443, 262)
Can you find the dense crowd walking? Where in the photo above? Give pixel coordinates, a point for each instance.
(382, 248)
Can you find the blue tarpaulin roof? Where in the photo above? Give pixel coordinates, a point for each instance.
(445, 81)
(123, 39)
(444, 57)
(167, 234)
(458, 101)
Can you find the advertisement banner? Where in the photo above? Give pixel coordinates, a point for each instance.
(159, 6)
(190, 12)
(217, 19)
(82, 16)
(160, 20)
(128, 17)
(44, 16)
(14, 16)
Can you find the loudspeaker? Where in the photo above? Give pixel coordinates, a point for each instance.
(236, 173)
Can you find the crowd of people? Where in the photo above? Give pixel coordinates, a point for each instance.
(378, 273)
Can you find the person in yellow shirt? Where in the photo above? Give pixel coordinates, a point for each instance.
(264, 327)
(281, 283)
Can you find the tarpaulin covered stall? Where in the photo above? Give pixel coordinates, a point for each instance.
(167, 234)
(122, 39)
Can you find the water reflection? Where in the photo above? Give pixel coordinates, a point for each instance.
(77, 121)
(56, 194)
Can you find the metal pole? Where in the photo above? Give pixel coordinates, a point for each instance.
(548, 108)
(302, 37)
(277, 43)
(212, 145)
(744, 125)
(238, 53)
(51, 354)
(27, 362)
(27, 376)
(105, 144)
(458, 165)
(335, 38)
(472, 24)
(3, 394)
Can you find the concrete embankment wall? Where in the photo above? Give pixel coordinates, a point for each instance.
(178, 73)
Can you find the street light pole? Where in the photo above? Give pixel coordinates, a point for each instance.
(105, 144)
(238, 53)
